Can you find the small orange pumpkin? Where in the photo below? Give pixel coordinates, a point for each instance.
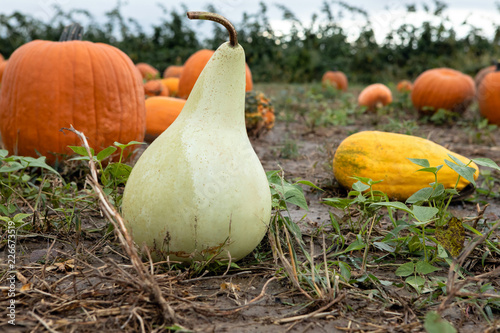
(172, 83)
(92, 86)
(155, 88)
(173, 71)
(404, 86)
(193, 67)
(442, 88)
(488, 96)
(375, 96)
(147, 71)
(160, 114)
(336, 79)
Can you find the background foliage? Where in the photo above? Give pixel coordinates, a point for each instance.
(302, 55)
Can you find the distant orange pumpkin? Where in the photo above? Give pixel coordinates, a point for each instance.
(404, 86)
(442, 88)
(147, 71)
(375, 96)
(155, 88)
(172, 83)
(173, 71)
(336, 79)
(160, 114)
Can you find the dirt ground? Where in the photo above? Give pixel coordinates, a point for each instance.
(87, 283)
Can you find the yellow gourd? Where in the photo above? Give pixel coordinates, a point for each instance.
(384, 156)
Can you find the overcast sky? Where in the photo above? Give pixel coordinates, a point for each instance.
(384, 14)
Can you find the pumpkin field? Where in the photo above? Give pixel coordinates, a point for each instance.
(251, 181)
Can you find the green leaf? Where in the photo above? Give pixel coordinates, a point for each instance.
(420, 161)
(384, 246)
(123, 146)
(20, 217)
(433, 170)
(393, 204)
(360, 187)
(438, 191)
(40, 163)
(345, 270)
(433, 323)
(11, 167)
(116, 173)
(81, 150)
(295, 195)
(463, 171)
(456, 160)
(4, 153)
(423, 267)
(423, 214)
(354, 246)
(405, 269)
(337, 202)
(308, 183)
(421, 195)
(415, 281)
(486, 162)
(106, 153)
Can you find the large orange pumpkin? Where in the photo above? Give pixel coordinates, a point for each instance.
(147, 71)
(442, 88)
(192, 69)
(173, 71)
(488, 96)
(375, 96)
(49, 85)
(160, 114)
(336, 79)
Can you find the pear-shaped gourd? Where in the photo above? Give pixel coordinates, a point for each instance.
(199, 189)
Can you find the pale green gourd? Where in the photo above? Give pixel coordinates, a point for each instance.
(199, 189)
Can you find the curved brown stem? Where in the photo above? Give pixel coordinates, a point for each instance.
(233, 38)
(73, 31)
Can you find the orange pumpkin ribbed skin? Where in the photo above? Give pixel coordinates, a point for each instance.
(374, 96)
(488, 97)
(336, 79)
(443, 88)
(3, 64)
(160, 114)
(194, 66)
(404, 86)
(49, 85)
(147, 71)
(384, 156)
(173, 71)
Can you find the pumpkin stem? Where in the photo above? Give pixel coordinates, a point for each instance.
(73, 31)
(497, 63)
(233, 38)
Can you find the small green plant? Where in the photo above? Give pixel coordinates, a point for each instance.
(115, 173)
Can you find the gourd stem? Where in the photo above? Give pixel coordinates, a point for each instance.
(73, 31)
(233, 38)
(498, 66)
